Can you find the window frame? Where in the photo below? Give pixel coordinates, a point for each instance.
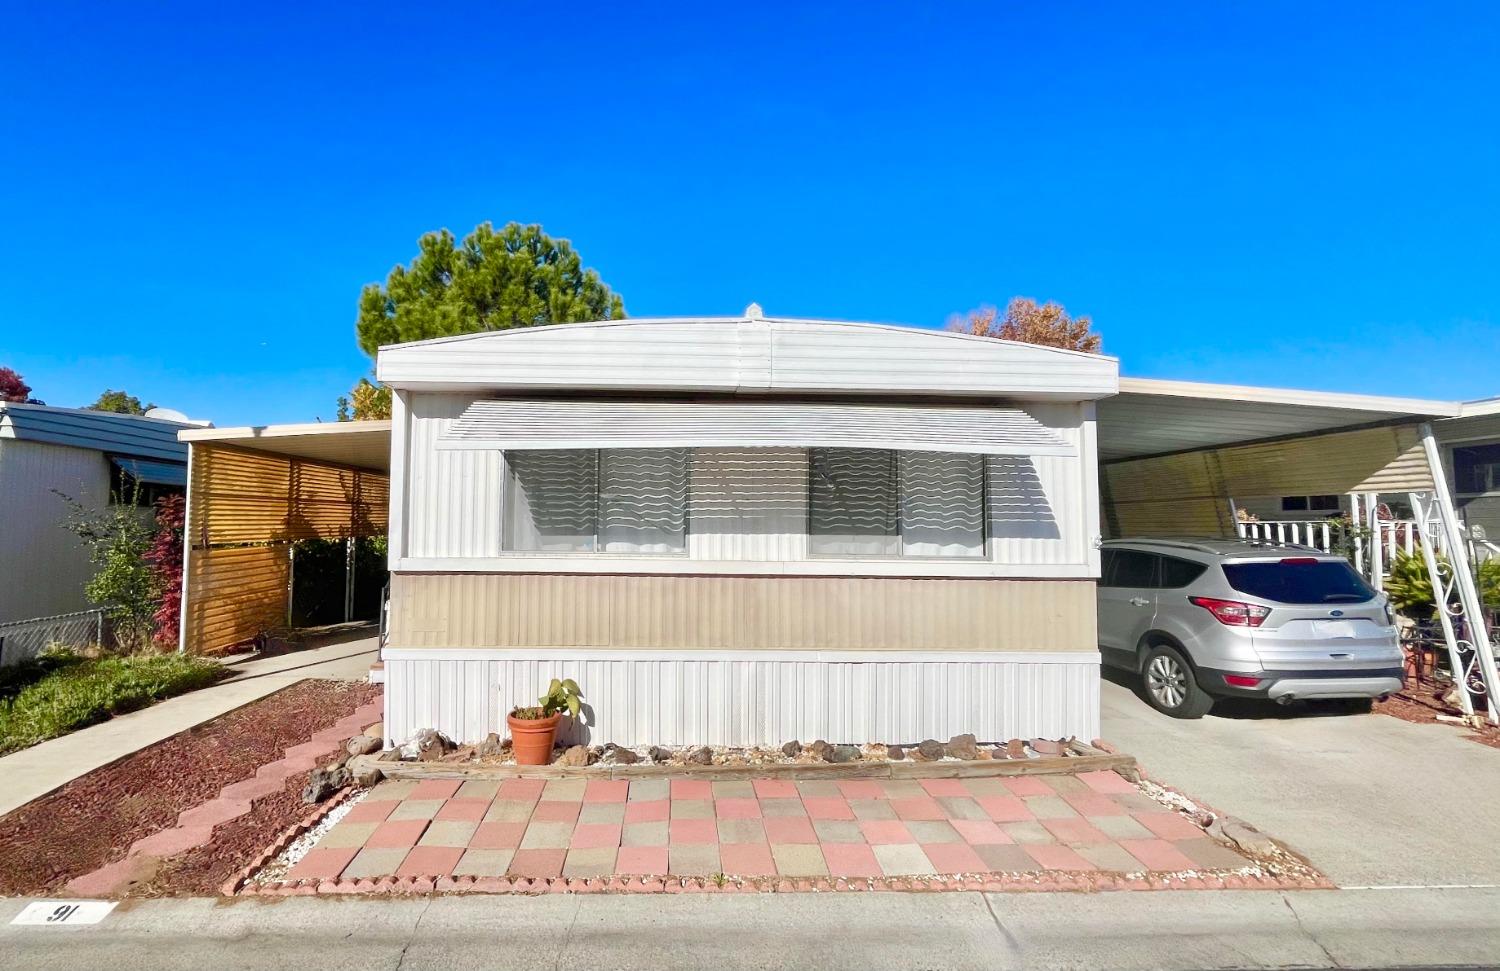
(1460, 487)
(687, 519)
(986, 551)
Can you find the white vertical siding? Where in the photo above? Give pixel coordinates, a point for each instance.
(452, 496)
(728, 699)
(47, 565)
(1037, 504)
(748, 504)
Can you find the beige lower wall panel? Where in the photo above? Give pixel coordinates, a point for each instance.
(632, 612)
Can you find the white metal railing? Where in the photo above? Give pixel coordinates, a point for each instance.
(1395, 535)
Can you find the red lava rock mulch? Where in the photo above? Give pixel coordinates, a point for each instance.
(93, 820)
(1421, 702)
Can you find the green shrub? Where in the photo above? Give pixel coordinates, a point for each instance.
(1410, 588)
(61, 693)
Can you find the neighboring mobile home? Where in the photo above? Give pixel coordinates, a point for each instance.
(744, 530)
(48, 456)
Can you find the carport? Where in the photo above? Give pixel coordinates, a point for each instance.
(253, 494)
(1174, 456)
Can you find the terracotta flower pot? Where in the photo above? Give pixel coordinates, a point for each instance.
(531, 738)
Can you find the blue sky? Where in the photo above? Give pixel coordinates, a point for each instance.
(1289, 194)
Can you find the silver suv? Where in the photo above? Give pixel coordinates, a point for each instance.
(1204, 619)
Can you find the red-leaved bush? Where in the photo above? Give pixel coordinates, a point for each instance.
(165, 559)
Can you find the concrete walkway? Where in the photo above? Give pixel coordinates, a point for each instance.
(1169, 930)
(1369, 799)
(38, 770)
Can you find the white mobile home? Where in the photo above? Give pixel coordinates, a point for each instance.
(746, 530)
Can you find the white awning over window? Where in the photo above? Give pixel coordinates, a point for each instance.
(554, 424)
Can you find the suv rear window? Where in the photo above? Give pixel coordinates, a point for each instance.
(1300, 581)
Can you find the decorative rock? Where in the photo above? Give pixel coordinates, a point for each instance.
(986, 753)
(619, 755)
(368, 775)
(701, 756)
(821, 750)
(792, 749)
(1015, 749)
(659, 754)
(464, 753)
(578, 755)
(844, 753)
(363, 745)
(493, 746)
(930, 749)
(964, 747)
(390, 755)
(427, 745)
(324, 783)
(895, 753)
(376, 730)
(1248, 838)
(1045, 746)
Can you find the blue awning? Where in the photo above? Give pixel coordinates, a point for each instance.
(147, 472)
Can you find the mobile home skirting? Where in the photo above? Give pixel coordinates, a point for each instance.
(640, 698)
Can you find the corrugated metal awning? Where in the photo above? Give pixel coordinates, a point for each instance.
(148, 472)
(551, 424)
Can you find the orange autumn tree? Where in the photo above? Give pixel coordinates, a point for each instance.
(1026, 321)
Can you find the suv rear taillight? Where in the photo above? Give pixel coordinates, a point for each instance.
(1233, 613)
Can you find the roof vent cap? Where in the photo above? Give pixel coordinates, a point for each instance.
(753, 312)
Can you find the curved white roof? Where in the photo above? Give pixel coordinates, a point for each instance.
(751, 355)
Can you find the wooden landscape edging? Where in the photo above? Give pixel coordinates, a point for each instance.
(1089, 759)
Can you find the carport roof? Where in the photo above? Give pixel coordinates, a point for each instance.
(1156, 417)
(360, 444)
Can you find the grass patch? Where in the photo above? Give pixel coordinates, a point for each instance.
(60, 693)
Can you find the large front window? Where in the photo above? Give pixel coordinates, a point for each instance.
(629, 501)
(876, 502)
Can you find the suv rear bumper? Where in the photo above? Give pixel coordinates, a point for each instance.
(1288, 685)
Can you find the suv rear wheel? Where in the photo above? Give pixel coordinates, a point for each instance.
(1170, 686)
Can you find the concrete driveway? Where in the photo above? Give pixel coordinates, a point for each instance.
(1370, 800)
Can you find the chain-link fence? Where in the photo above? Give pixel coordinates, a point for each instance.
(21, 640)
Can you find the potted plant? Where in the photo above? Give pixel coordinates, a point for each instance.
(533, 728)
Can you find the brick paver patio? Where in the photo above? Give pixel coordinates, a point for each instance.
(1094, 821)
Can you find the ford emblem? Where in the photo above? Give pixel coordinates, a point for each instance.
(1335, 613)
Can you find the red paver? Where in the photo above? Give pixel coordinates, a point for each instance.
(497, 836)
(640, 861)
(1106, 782)
(1157, 854)
(430, 861)
(1170, 826)
(606, 790)
(737, 808)
(396, 833)
(789, 829)
(830, 808)
(323, 864)
(1026, 785)
(435, 789)
(945, 787)
(463, 810)
(692, 789)
(370, 811)
(883, 831)
(1005, 809)
(954, 858)
(861, 789)
(1094, 804)
(919, 808)
(746, 859)
(693, 831)
(851, 860)
(776, 789)
(650, 811)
